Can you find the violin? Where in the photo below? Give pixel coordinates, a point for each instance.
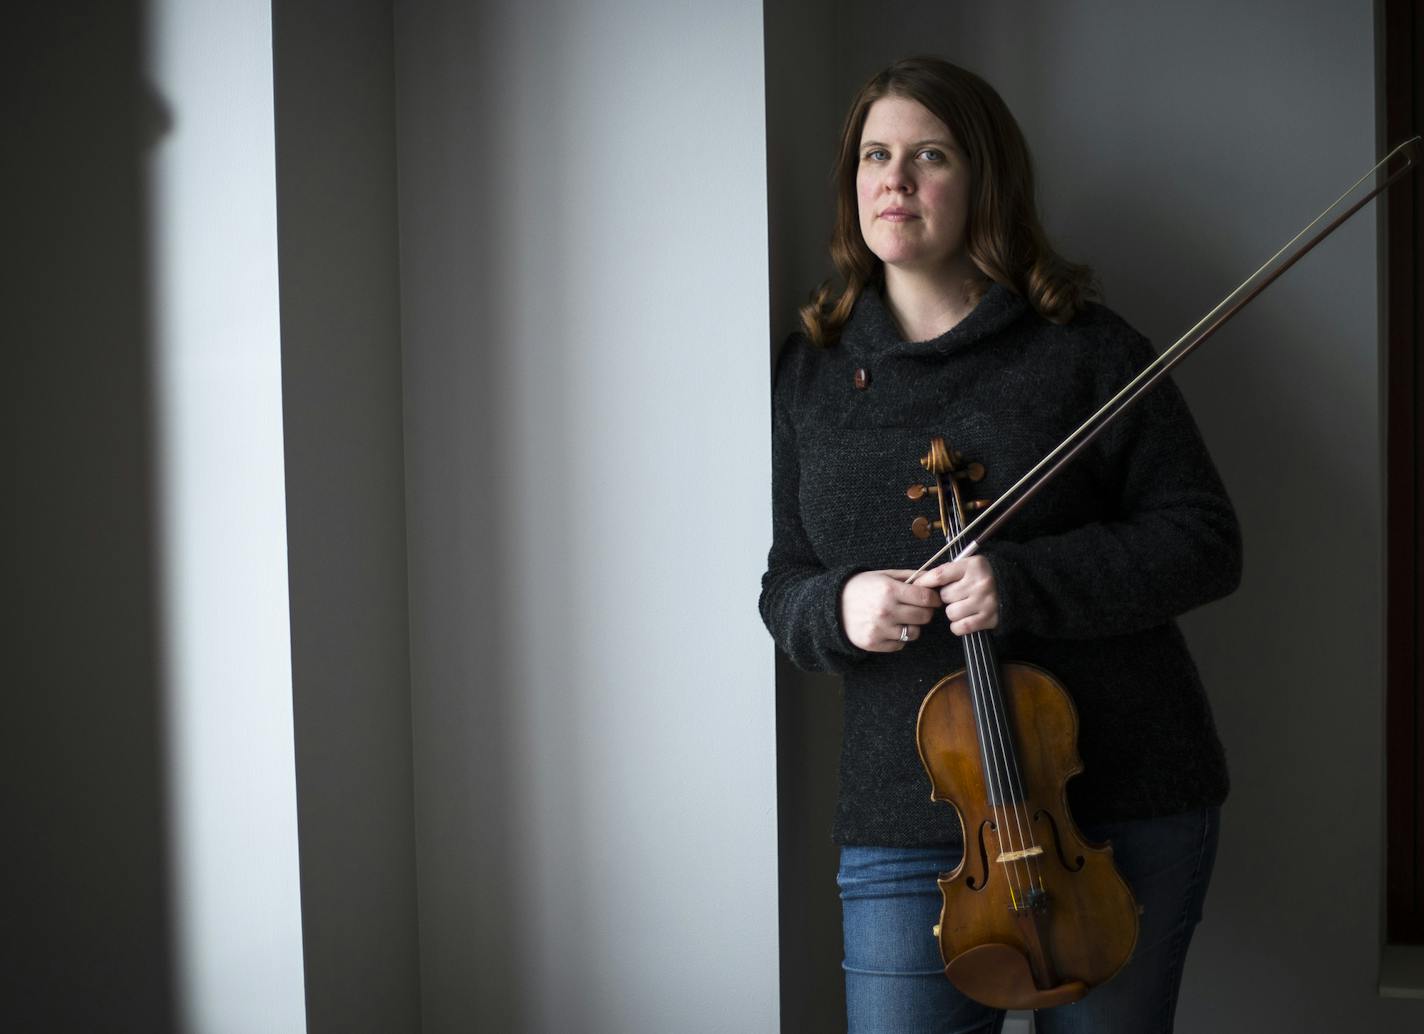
(1035, 915)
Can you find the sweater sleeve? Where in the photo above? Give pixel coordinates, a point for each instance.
(800, 597)
(1170, 543)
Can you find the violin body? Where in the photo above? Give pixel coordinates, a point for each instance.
(1034, 916)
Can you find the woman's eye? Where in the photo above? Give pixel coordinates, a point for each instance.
(932, 154)
(875, 155)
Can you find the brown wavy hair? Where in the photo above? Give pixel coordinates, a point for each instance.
(1003, 238)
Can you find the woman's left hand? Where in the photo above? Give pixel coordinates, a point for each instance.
(968, 591)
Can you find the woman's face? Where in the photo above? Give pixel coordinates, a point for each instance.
(912, 184)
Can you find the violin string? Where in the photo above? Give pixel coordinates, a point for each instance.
(992, 707)
(1008, 823)
(980, 676)
(988, 753)
(1035, 872)
(986, 741)
(1182, 344)
(988, 717)
(993, 775)
(1008, 761)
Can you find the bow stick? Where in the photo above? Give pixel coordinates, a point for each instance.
(1024, 489)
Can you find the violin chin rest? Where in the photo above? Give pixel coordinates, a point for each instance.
(998, 975)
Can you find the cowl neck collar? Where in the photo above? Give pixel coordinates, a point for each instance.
(872, 330)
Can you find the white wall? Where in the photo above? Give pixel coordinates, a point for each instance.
(584, 317)
(1177, 147)
(221, 522)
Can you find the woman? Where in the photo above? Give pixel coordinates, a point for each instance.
(953, 317)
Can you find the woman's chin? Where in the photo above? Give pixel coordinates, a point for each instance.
(915, 264)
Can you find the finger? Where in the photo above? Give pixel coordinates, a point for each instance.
(977, 581)
(962, 610)
(967, 619)
(936, 577)
(889, 640)
(956, 591)
(890, 610)
(908, 615)
(884, 636)
(917, 595)
(892, 592)
(975, 621)
(922, 593)
(901, 573)
(906, 634)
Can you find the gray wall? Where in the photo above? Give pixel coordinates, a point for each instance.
(87, 915)
(1177, 147)
(334, 89)
(584, 316)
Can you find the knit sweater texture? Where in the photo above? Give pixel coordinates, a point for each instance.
(1091, 573)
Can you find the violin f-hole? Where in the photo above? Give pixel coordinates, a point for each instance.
(970, 882)
(1079, 862)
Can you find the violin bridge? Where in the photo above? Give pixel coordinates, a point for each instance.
(1018, 856)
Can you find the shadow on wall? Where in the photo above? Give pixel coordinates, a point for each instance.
(87, 739)
(464, 529)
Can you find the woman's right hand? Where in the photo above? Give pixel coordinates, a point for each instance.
(877, 606)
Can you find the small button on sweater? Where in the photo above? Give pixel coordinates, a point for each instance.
(1091, 573)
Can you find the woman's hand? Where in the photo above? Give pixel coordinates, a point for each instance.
(880, 613)
(967, 589)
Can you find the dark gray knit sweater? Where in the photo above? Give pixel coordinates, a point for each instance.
(1091, 573)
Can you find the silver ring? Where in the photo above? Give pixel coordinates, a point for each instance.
(904, 633)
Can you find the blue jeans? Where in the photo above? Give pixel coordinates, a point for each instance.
(895, 982)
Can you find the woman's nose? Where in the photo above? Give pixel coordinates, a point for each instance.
(897, 178)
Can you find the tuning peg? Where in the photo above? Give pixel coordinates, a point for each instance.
(918, 491)
(977, 504)
(974, 472)
(921, 527)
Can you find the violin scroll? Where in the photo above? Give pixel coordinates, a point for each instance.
(939, 461)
